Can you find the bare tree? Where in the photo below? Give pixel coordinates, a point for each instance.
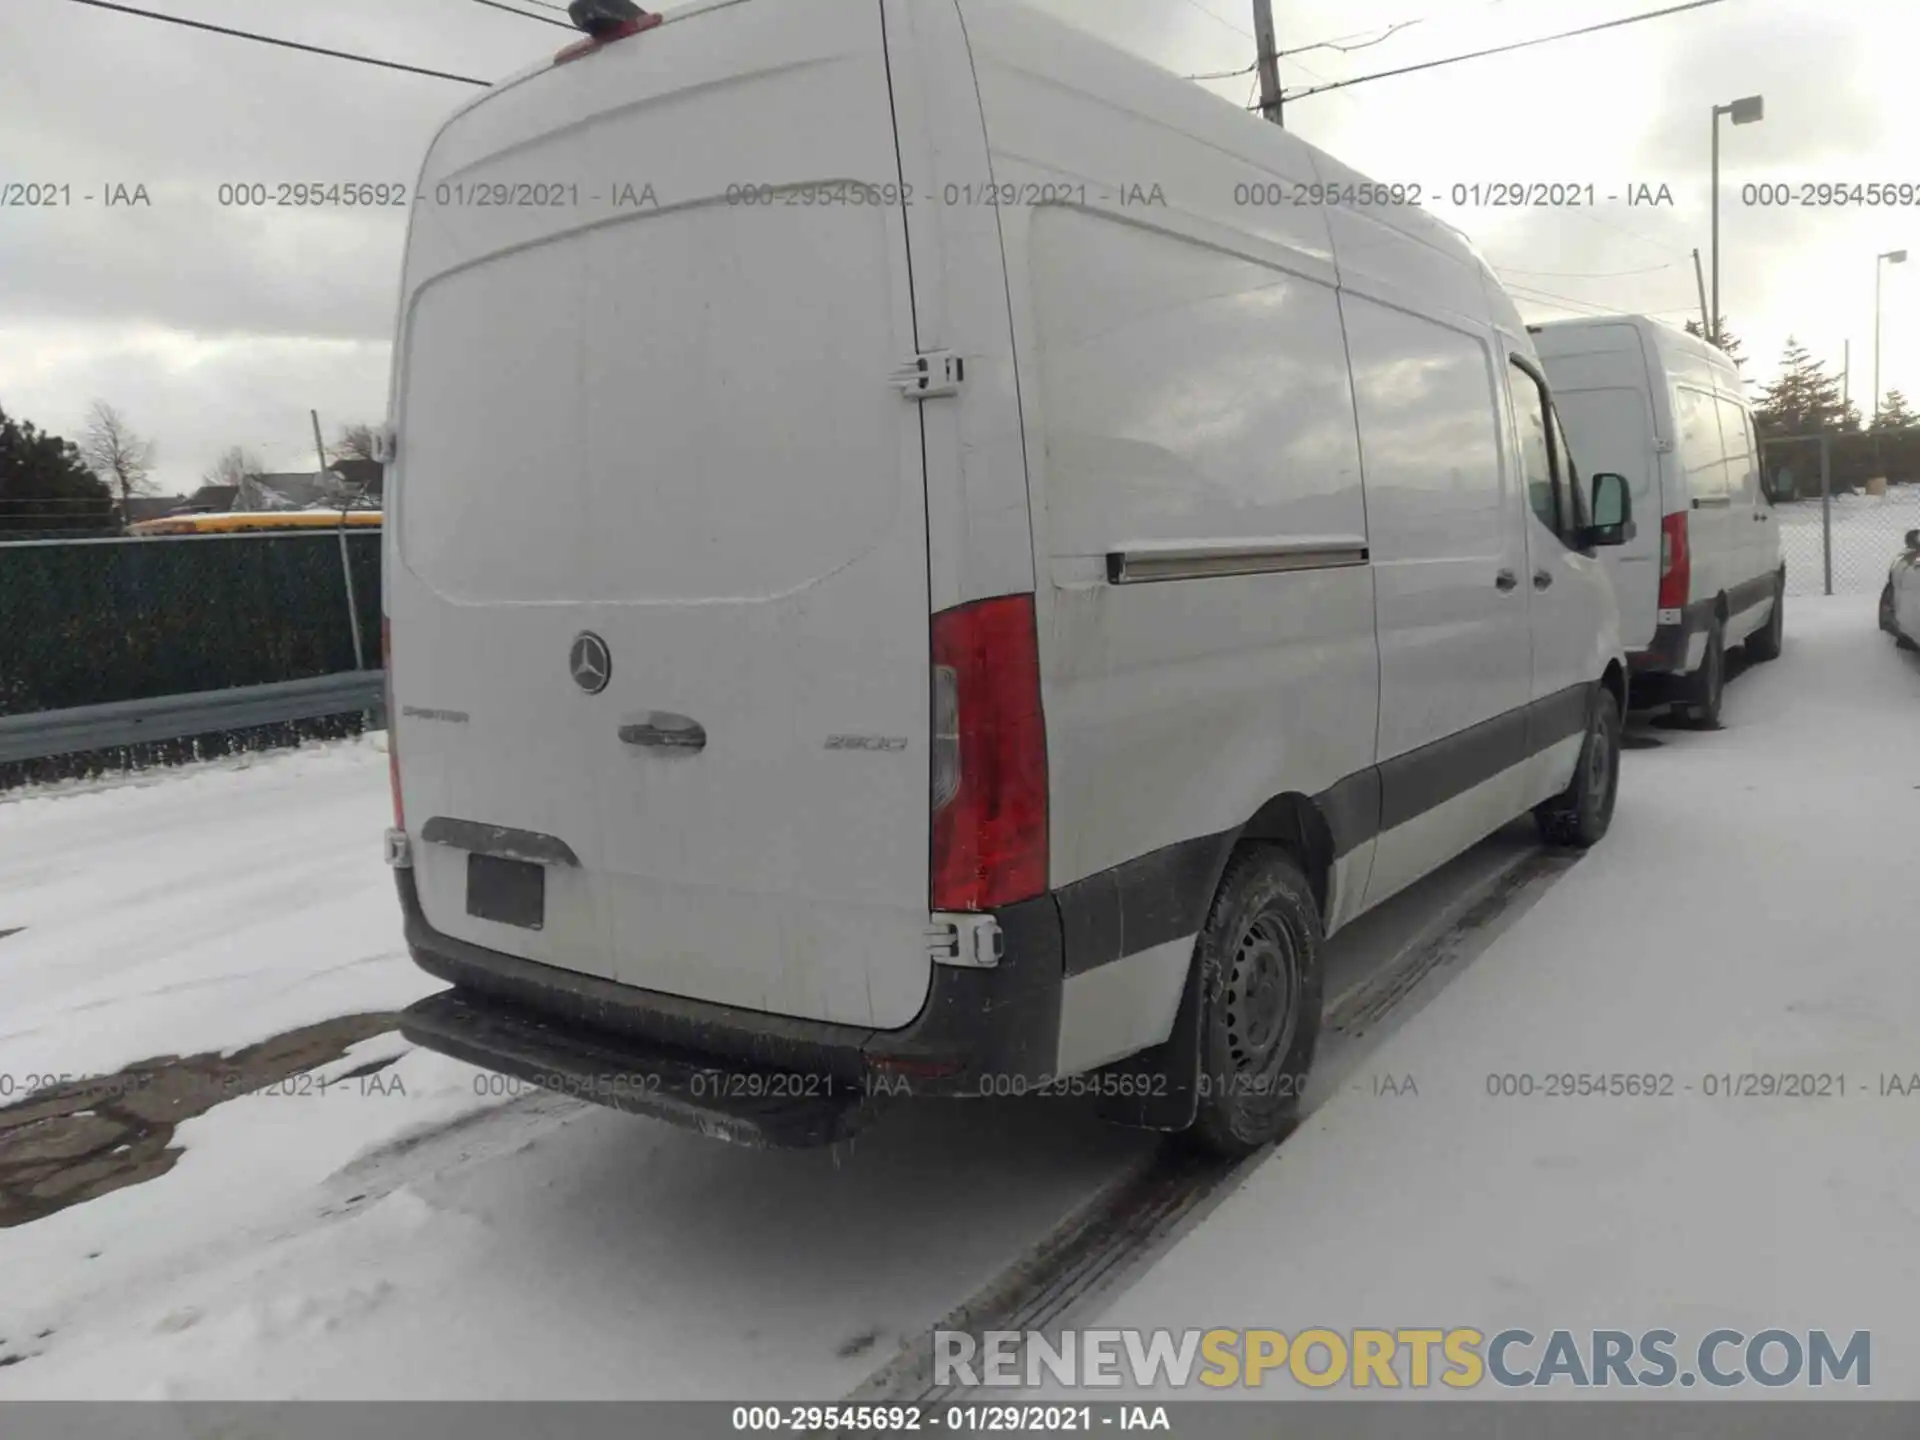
(354, 442)
(233, 466)
(118, 454)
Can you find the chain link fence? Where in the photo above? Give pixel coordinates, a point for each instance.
(90, 621)
(1845, 502)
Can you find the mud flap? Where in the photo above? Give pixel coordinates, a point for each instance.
(1166, 1079)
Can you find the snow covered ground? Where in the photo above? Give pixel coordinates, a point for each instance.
(410, 1235)
(1752, 912)
(415, 1234)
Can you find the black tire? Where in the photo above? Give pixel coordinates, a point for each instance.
(1581, 814)
(1261, 989)
(1764, 644)
(1707, 686)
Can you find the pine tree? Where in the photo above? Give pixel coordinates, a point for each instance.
(45, 485)
(1723, 339)
(1894, 414)
(1804, 400)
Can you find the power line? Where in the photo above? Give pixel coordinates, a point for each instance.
(1301, 50)
(1391, 31)
(1561, 302)
(1228, 75)
(1537, 295)
(1505, 49)
(284, 44)
(1588, 275)
(544, 20)
(1220, 19)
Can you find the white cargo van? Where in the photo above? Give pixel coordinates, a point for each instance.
(1669, 412)
(919, 562)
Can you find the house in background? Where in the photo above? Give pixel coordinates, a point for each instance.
(362, 477)
(330, 489)
(152, 507)
(207, 500)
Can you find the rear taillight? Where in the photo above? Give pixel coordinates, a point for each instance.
(603, 29)
(1676, 567)
(393, 749)
(989, 756)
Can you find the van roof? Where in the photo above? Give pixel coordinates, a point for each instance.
(1212, 118)
(1564, 335)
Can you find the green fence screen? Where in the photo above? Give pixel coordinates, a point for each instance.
(84, 622)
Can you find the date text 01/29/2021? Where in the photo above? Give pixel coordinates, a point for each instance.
(1001, 1419)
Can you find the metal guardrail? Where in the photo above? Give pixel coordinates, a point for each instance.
(43, 734)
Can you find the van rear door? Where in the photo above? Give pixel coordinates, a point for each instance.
(1611, 429)
(658, 584)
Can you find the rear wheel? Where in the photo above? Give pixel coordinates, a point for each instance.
(1261, 989)
(1707, 686)
(1581, 814)
(1764, 644)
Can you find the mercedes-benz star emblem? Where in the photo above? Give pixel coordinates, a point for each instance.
(590, 662)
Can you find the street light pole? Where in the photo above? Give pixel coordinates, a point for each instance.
(1743, 112)
(1897, 257)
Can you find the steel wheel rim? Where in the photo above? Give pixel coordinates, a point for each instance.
(1262, 996)
(1600, 770)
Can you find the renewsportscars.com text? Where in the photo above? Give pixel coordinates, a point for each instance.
(1461, 1358)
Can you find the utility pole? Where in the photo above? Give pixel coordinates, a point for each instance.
(1269, 63)
(1846, 373)
(346, 558)
(1706, 325)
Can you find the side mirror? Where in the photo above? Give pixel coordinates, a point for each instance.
(1612, 511)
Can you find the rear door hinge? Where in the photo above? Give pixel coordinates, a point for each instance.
(973, 941)
(938, 372)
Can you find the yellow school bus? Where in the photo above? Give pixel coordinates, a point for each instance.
(250, 521)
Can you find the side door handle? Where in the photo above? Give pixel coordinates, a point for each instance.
(1541, 579)
(1505, 580)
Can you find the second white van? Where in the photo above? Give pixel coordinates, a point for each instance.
(959, 584)
(1669, 412)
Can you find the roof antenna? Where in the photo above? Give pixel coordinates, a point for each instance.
(609, 19)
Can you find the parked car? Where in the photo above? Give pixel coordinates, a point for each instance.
(954, 676)
(1900, 601)
(1668, 411)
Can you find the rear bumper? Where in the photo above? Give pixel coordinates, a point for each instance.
(740, 1074)
(1657, 670)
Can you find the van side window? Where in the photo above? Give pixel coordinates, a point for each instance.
(1743, 467)
(1701, 455)
(1536, 452)
(1429, 434)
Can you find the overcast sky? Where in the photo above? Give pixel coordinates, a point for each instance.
(212, 326)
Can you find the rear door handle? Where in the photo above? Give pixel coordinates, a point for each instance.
(665, 732)
(1541, 579)
(1505, 580)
